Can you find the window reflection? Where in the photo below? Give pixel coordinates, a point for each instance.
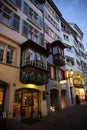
(34, 58)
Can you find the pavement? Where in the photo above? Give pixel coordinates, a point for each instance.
(71, 118)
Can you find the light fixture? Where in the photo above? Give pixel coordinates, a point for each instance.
(71, 72)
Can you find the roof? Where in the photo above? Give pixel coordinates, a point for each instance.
(77, 28)
(58, 42)
(54, 7)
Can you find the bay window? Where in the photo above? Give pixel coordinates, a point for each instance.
(30, 57)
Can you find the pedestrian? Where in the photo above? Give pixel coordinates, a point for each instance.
(77, 99)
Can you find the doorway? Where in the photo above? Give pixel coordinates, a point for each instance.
(27, 102)
(3, 86)
(63, 99)
(54, 98)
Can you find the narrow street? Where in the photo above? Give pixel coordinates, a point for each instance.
(72, 118)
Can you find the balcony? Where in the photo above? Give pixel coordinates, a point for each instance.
(34, 75)
(33, 67)
(59, 60)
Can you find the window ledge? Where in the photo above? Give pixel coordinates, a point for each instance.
(9, 65)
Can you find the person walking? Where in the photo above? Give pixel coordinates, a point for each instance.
(77, 99)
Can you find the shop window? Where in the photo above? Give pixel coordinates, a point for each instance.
(17, 104)
(1, 100)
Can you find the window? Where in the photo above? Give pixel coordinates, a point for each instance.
(44, 63)
(66, 37)
(35, 35)
(16, 22)
(35, 16)
(1, 52)
(33, 58)
(7, 54)
(9, 18)
(31, 33)
(9, 58)
(32, 14)
(17, 3)
(6, 15)
(25, 57)
(60, 75)
(55, 50)
(25, 28)
(69, 49)
(53, 72)
(17, 103)
(50, 19)
(26, 8)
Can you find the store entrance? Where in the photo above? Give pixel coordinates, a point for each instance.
(30, 104)
(27, 103)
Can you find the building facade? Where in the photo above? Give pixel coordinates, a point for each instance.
(38, 49)
(23, 59)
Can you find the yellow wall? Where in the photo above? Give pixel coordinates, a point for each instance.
(11, 75)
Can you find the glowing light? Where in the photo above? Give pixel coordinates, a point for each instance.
(52, 108)
(31, 86)
(63, 82)
(80, 92)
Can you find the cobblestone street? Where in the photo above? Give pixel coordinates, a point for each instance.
(72, 118)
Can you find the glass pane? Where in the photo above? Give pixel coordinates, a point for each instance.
(35, 102)
(1, 52)
(27, 103)
(1, 96)
(17, 104)
(27, 99)
(1, 100)
(9, 55)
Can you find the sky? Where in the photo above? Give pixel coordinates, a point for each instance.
(75, 11)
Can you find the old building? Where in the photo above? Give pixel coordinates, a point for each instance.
(23, 59)
(38, 49)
